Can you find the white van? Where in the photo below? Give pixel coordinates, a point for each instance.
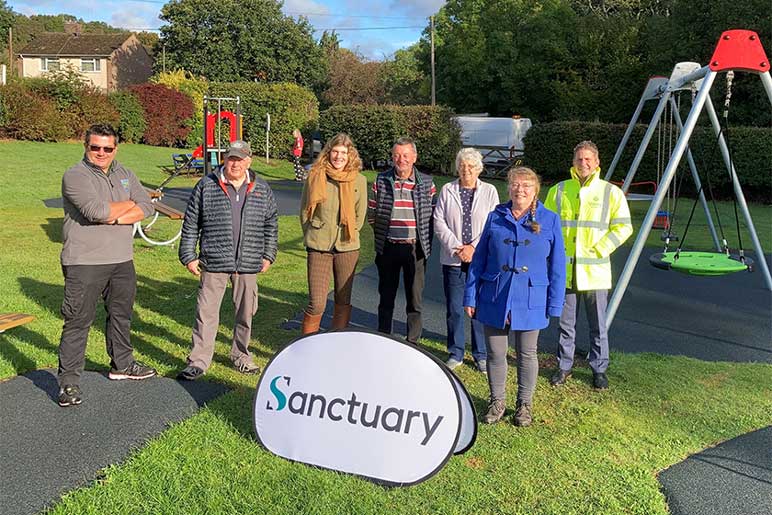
(499, 140)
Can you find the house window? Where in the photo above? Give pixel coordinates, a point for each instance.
(49, 64)
(90, 65)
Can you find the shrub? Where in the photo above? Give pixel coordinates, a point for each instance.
(549, 147)
(167, 114)
(195, 88)
(92, 106)
(374, 128)
(32, 116)
(132, 124)
(290, 106)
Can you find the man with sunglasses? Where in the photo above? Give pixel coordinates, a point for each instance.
(102, 200)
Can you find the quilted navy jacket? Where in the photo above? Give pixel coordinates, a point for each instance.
(208, 225)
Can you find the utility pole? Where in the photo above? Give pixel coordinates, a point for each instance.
(434, 97)
(10, 50)
(163, 57)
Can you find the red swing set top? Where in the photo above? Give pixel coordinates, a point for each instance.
(739, 50)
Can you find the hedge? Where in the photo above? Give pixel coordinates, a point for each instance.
(53, 109)
(290, 106)
(549, 147)
(167, 114)
(374, 128)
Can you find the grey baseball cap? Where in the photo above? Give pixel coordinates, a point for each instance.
(239, 149)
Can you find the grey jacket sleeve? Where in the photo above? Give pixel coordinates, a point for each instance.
(79, 190)
(140, 196)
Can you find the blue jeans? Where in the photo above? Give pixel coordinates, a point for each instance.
(454, 281)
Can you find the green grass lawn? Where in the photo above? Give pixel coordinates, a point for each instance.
(587, 452)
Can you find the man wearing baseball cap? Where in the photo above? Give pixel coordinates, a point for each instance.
(230, 234)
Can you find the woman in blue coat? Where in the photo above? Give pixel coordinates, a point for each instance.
(515, 283)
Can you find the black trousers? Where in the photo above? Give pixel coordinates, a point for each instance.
(410, 261)
(83, 285)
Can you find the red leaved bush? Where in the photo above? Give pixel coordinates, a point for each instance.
(168, 114)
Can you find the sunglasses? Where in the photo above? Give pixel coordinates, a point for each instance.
(97, 148)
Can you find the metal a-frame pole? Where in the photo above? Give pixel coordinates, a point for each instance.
(761, 259)
(655, 119)
(696, 177)
(650, 92)
(659, 196)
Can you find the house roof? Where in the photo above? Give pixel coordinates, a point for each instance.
(63, 45)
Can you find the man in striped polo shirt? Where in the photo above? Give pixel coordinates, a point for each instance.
(401, 210)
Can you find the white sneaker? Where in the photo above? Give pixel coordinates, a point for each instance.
(452, 364)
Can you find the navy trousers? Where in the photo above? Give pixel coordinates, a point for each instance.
(454, 281)
(595, 302)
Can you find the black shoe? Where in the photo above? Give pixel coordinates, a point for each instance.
(69, 395)
(599, 381)
(560, 377)
(190, 373)
(136, 370)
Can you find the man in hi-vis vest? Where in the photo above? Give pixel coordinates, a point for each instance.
(595, 221)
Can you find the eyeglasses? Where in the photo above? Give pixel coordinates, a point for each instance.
(521, 186)
(97, 148)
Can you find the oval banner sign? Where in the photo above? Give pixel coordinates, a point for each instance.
(362, 403)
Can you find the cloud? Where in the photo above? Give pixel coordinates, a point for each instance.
(304, 6)
(423, 8)
(135, 17)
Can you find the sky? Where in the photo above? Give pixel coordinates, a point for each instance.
(380, 26)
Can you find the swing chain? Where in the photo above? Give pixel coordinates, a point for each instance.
(728, 98)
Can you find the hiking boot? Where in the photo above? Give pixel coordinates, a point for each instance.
(69, 395)
(523, 416)
(560, 377)
(247, 367)
(496, 410)
(482, 366)
(190, 373)
(452, 364)
(135, 371)
(599, 381)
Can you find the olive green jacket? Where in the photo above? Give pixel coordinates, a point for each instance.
(323, 230)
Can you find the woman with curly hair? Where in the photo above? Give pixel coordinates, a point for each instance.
(333, 209)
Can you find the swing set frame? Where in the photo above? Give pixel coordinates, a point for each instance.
(737, 50)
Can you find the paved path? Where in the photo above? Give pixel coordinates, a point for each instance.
(46, 450)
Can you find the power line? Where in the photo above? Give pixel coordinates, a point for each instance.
(371, 28)
(297, 13)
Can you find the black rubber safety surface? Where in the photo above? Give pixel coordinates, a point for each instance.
(734, 478)
(46, 450)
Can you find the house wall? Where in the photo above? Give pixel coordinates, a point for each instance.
(130, 64)
(31, 67)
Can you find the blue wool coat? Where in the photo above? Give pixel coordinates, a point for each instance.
(516, 272)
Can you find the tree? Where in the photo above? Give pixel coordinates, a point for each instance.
(7, 17)
(353, 80)
(404, 81)
(233, 40)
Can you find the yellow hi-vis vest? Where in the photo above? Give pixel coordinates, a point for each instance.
(595, 220)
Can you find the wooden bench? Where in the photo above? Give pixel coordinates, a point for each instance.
(164, 209)
(9, 320)
(186, 162)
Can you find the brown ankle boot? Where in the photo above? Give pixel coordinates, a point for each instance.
(310, 323)
(341, 316)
